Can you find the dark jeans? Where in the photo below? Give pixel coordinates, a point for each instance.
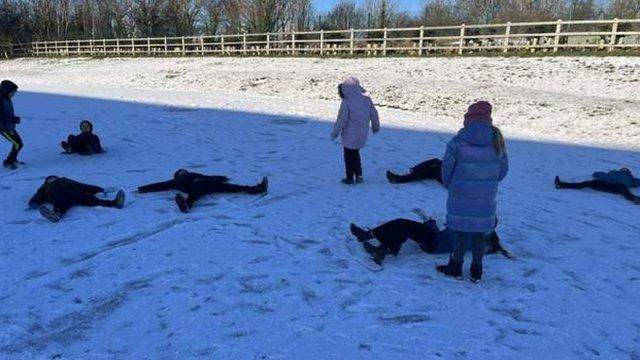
(603, 186)
(198, 189)
(352, 163)
(67, 200)
(395, 233)
(428, 170)
(17, 145)
(463, 240)
(79, 146)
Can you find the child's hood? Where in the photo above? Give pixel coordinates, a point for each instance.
(351, 87)
(7, 87)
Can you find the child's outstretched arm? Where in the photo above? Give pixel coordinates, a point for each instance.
(341, 122)
(161, 186)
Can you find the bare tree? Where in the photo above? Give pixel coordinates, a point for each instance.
(212, 16)
(481, 11)
(147, 16)
(581, 10)
(263, 16)
(343, 15)
(381, 13)
(439, 13)
(232, 16)
(625, 9)
(301, 14)
(180, 17)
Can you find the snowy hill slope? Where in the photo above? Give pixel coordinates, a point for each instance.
(272, 277)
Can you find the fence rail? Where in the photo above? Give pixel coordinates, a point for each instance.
(550, 36)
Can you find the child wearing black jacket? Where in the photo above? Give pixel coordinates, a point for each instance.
(85, 143)
(8, 122)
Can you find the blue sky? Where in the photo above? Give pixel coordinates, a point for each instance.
(408, 5)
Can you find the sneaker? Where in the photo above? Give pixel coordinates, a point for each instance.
(263, 187)
(49, 214)
(361, 234)
(182, 203)
(391, 177)
(65, 147)
(451, 269)
(359, 179)
(476, 273)
(347, 181)
(120, 197)
(378, 253)
(9, 165)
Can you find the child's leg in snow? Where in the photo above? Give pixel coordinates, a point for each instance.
(459, 246)
(478, 246)
(396, 232)
(357, 163)
(16, 145)
(349, 164)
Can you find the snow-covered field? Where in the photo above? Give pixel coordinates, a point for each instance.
(272, 277)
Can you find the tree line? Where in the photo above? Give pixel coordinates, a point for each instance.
(27, 20)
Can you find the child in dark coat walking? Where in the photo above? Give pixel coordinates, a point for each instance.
(85, 143)
(8, 122)
(357, 111)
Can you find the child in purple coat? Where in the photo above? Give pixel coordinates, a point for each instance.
(357, 111)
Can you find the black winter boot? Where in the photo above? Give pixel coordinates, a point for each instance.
(476, 272)
(452, 269)
(362, 234)
(558, 183)
(182, 203)
(391, 177)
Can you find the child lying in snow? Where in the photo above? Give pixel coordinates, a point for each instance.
(65, 193)
(198, 185)
(393, 234)
(427, 170)
(614, 182)
(85, 143)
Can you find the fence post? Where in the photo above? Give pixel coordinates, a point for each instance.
(184, 48)
(268, 44)
(222, 44)
(351, 41)
(244, 44)
(202, 45)
(461, 43)
(507, 32)
(384, 42)
(556, 41)
(117, 46)
(166, 47)
(321, 42)
(133, 46)
(148, 46)
(293, 42)
(421, 41)
(614, 35)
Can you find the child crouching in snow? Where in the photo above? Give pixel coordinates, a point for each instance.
(474, 164)
(357, 111)
(85, 143)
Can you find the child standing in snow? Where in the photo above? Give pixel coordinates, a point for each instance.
(8, 122)
(474, 164)
(357, 111)
(85, 143)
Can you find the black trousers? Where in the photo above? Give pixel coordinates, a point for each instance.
(603, 186)
(79, 146)
(67, 200)
(16, 141)
(396, 232)
(198, 189)
(352, 163)
(428, 170)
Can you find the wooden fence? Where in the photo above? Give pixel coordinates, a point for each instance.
(551, 36)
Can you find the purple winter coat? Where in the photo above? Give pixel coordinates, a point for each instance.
(471, 171)
(356, 112)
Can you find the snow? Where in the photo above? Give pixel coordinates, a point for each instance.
(272, 277)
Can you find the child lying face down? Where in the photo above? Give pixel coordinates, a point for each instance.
(393, 234)
(65, 193)
(427, 170)
(85, 143)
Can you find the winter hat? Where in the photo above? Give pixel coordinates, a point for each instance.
(179, 173)
(7, 87)
(86, 122)
(479, 112)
